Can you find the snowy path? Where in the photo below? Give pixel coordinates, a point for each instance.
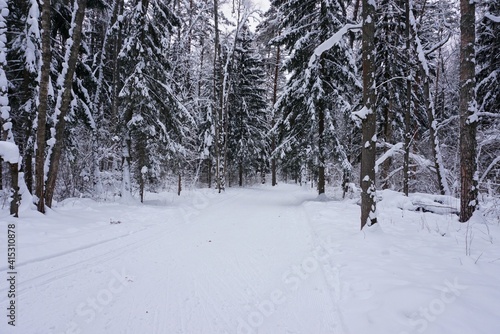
(258, 260)
(223, 265)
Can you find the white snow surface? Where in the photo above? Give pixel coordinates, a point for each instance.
(256, 260)
(9, 152)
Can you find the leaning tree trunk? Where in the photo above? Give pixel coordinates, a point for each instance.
(64, 98)
(369, 119)
(467, 109)
(43, 100)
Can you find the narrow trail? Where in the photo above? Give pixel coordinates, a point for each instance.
(230, 263)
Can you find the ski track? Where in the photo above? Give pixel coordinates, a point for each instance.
(201, 274)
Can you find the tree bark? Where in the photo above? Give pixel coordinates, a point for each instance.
(218, 105)
(369, 121)
(16, 197)
(43, 101)
(275, 98)
(387, 131)
(407, 113)
(467, 108)
(179, 184)
(321, 158)
(431, 114)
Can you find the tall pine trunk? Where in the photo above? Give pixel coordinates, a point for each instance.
(218, 105)
(407, 113)
(275, 97)
(369, 119)
(467, 108)
(43, 103)
(321, 148)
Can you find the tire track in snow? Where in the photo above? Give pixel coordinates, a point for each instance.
(330, 272)
(97, 257)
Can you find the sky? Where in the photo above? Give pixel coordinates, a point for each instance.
(262, 4)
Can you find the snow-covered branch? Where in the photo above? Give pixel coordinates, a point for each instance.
(332, 41)
(492, 17)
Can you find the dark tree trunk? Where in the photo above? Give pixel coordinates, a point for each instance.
(218, 104)
(369, 121)
(387, 126)
(275, 97)
(321, 167)
(16, 197)
(179, 184)
(209, 172)
(28, 170)
(407, 113)
(43, 99)
(468, 142)
(240, 174)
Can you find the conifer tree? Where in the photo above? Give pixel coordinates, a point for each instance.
(320, 89)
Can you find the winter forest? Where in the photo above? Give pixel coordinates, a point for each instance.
(389, 109)
(115, 98)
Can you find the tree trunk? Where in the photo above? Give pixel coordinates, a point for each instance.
(240, 174)
(407, 113)
(43, 100)
(369, 121)
(321, 158)
(467, 108)
(65, 96)
(28, 170)
(117, 42)
(263, 172)
(179, 184)
(275, 97)
(218, 105)
(434, 139)
(209, 172)
(386, 165)
(16, 198)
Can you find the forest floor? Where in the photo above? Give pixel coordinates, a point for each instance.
(253, 260)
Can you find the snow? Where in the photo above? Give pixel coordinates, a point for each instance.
(332, 41)
(9, 152)
(492, 17)
(256, 260)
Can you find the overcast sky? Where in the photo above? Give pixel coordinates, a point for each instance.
(262, 4)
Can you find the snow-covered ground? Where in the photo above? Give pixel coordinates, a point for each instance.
(255, 260)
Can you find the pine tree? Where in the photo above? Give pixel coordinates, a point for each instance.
(248, 126)
(320, 89)
(488, 89)
(154, 122)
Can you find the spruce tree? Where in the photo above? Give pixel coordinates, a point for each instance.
(319, 90)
